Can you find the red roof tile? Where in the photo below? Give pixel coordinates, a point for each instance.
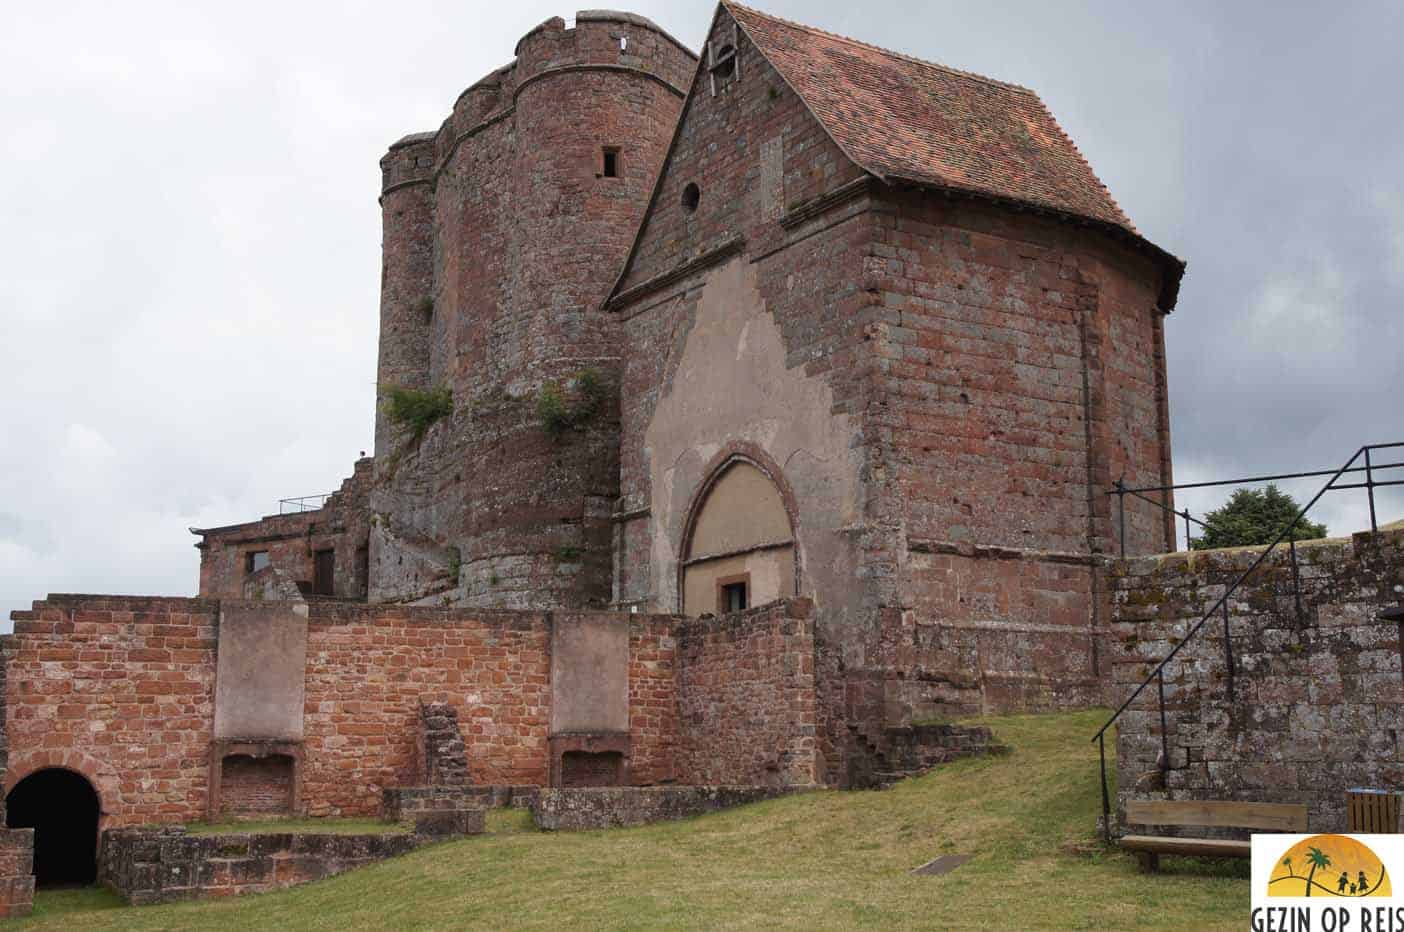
(901, 118)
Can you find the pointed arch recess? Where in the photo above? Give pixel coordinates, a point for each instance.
(784, 546)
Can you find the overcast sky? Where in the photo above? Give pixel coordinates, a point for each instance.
(189, 250)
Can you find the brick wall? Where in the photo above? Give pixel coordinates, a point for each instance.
(1318, 695)
(746, 697)
(119, 689)
(256, 786)
(368, 668)
(292, 542)
(653, 710)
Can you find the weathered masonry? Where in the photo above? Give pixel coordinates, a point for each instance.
(739, 415)
(1315, 700)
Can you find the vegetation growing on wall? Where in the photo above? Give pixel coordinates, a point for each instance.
(561, 409)
(415, 409)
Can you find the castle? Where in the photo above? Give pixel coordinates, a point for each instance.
(738, 414)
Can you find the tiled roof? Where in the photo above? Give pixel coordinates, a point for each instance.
(904, 119)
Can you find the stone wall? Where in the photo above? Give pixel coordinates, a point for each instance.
(1318, 694)
(502, 234)
(941, 389)
(1024, 374)
(292, 542)
(16, 872)
(16, 845)
(146, 865)
(653, 701)
(560, 809)
(369, 668)
(121, 690)
(746, 697)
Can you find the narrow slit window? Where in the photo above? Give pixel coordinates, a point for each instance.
(610, 167)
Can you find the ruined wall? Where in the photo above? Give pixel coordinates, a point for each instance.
(121, 690)
(653, 703)
(292, 542)
(16, 845)
(503, 234)
(1318, 695)
(368, 668)
(746, 697)
(149, 865)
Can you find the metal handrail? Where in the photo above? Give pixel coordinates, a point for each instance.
(1121, 490)
(1158, 674)
(292, 506)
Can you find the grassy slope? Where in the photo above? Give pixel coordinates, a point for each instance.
(821, 860)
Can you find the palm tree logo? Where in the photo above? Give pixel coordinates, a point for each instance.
(1316, 858)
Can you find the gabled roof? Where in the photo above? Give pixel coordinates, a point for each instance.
(908, 121)
(901, 118)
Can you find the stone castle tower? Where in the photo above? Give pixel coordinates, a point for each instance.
(802, 318)
(502, 233)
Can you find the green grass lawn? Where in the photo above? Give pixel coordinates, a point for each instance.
(819, 860)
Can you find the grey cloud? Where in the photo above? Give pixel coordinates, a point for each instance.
(191, 236)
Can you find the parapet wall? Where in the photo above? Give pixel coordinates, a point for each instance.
(1318, 694)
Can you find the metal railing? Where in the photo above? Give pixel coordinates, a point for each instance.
(293, 506)
(1368, 467)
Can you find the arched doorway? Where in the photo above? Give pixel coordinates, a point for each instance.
(62, 808)
(740, 546)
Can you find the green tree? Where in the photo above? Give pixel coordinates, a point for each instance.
(1317, 858)
(1255, 516)
(1287, 863)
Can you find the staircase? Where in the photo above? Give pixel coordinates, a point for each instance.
(912, 750)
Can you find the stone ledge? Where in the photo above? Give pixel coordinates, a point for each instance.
(575, 809)
(164, 865)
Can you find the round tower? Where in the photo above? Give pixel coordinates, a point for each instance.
(536, 185)
(406, 271)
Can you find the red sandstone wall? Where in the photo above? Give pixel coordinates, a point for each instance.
(653, 710)
(292, 542)
(1024, 374)
(746, 697)
(524, 239)
(119, 689)
(367, 671)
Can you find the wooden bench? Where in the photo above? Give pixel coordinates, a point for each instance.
(1272, 817)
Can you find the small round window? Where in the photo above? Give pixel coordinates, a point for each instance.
(691, 196)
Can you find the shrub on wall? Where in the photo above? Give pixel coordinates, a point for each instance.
(558, 411)
(415, 409)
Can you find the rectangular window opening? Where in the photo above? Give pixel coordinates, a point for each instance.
(324, 573)
(255, 561)
(611, 163)
(733, 594)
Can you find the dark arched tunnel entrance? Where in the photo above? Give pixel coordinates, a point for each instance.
(62, 808)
